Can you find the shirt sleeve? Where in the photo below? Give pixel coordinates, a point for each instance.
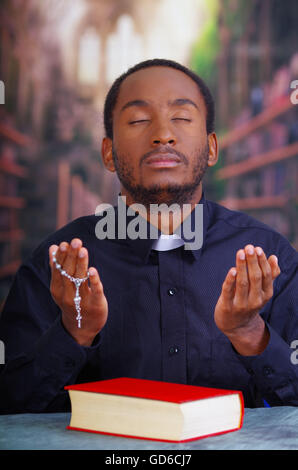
(40, 356)
(275, 371)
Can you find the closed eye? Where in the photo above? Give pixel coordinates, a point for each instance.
(181, 119)
(139, 120)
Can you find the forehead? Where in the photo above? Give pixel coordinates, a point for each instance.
(158, 85)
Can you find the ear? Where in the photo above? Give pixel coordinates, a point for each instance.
(107, 154)
(213, 149)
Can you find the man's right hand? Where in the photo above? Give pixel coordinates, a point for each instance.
(73, 258)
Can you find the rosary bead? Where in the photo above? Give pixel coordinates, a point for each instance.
(77, 282)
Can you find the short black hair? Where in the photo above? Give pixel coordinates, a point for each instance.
(111, 98)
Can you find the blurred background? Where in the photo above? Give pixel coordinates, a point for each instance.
(58, 59)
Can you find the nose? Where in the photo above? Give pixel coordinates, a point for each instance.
(163, 135)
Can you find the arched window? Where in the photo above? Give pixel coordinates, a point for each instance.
(124, 48)
(89, 57)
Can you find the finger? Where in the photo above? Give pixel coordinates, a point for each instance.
(242, 282)
(60, 254)
(255, 275)
(228, 287)
(82, 268)
(57, 254)
(53, 249)
(70, 262)
(275, 269)
(266, 272)
(95, 282)
(82, 263)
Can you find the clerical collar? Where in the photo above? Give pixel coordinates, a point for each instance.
(167, 242)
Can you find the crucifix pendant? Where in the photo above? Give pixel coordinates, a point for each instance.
(77, 301)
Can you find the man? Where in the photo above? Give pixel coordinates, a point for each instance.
(221, 315)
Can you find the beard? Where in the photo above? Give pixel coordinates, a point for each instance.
(167, 193)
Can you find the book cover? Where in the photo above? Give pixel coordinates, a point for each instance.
(151, 389)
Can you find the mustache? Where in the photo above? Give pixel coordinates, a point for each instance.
(164, 149)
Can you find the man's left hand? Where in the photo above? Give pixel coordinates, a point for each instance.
(245, 290)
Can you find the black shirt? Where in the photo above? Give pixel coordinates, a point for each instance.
(161, 318)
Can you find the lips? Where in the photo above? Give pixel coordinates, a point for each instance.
(163, 160)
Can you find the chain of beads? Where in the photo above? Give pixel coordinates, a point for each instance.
(77, 282)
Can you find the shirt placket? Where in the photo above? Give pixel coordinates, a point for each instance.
(173, 325)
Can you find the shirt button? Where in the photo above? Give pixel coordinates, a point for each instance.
(173, 350)
(267, 370)
(172, 291)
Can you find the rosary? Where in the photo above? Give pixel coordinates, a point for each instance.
(77, 282)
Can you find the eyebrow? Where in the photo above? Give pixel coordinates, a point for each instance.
(140, 103)
(182, 102)
(143, 103)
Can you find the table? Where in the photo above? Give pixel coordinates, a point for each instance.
(263, 429)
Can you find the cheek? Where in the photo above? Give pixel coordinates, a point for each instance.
(197, 134)
(127, 143)
(125, 158)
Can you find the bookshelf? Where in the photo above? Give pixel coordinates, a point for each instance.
(255, 202)
(281, 105)
(74, 198)
(258, 161)
(11, 202)
(260, 168)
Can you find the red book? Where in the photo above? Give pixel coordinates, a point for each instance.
(154, 410)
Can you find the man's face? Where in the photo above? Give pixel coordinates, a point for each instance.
(160, 147)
